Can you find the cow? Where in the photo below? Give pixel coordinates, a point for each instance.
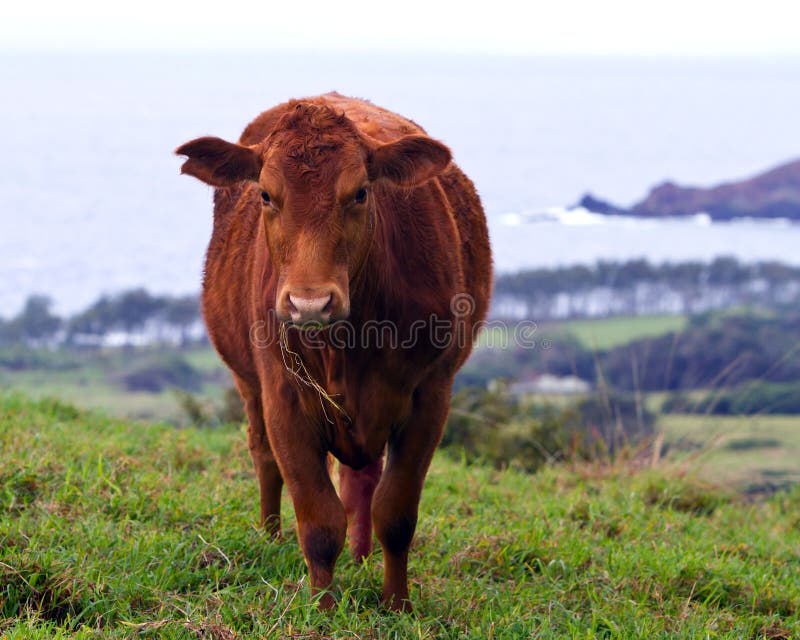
(348, 269)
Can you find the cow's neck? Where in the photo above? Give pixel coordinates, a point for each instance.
(412, 268)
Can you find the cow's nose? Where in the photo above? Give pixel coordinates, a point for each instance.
(303, 310)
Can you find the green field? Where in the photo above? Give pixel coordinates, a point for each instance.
(100, 394)
(91, 379)
(598, 334)
(753, 454)
(114, 529)
(606, 333)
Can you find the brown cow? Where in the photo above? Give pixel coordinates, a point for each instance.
(334, 213)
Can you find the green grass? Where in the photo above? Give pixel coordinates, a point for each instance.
(113, 529)
(606, 333)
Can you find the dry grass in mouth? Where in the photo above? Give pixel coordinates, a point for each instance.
(294, 364)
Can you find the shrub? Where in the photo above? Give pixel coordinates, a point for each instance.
(203, 413)
(504, 430)
(192, 407)
(156, 373)
(20, 357)
(232, 409)
(716, 349)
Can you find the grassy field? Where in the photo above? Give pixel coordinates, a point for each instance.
(754, 454)
(605, 333)
(115, 529)
(91, 379)
(599, 333)
(100, 393)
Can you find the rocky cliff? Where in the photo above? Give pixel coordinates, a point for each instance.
(774, 194)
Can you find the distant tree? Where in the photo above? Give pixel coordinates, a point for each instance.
(182, 313)
(36, 322)
(98, 319)
(638, 287)
(9, 332)
(727, 270)
(134, 308)
(634, 272)
(776, 272)
(127, 311)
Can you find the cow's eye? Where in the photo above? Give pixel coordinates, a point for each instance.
(361, 195)
(265, 198)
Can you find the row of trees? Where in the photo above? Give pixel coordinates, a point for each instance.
(638, 287)
(607, 288)
(131, 316)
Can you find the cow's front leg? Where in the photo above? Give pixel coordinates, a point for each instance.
(321, 521)
(396, 501)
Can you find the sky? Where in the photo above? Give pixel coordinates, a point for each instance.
(704, 28)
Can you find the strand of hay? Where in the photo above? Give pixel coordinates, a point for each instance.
(300, 372)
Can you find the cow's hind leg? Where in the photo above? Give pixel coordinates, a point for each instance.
(356, 489)
(269, 476)
(396, 501)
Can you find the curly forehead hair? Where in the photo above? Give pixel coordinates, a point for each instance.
(309, 132)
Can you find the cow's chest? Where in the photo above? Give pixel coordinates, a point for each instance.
(357, 408)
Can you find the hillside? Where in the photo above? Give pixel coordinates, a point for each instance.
(772, 194)
(127, 529)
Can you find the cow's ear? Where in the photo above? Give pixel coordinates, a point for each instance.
(219, 163)
(409, 161)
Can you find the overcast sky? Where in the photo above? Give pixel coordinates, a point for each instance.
(551, 27)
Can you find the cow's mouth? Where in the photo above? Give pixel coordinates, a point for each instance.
(309, 325)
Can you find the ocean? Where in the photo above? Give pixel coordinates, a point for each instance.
(91, 200)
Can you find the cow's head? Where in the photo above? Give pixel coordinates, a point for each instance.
(316, 171)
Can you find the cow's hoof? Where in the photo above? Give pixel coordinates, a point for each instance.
(326, 601)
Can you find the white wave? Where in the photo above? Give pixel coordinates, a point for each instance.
(580, 217)
(512, 219)
(702, 219)
(577, 217)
